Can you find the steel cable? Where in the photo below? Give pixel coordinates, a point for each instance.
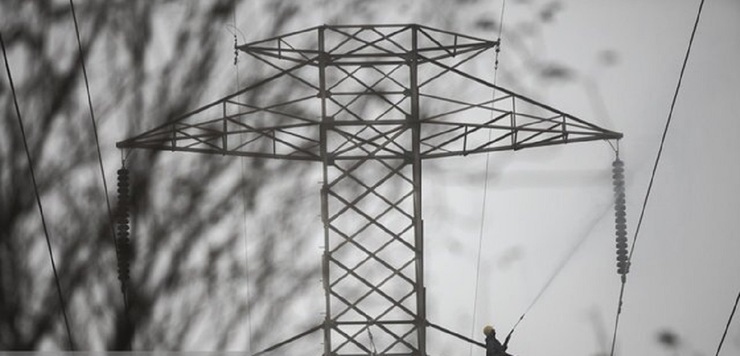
(38, 198)
(652, 175)
(485, 184)
(727, 327)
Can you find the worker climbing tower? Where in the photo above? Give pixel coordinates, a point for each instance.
(369, 103)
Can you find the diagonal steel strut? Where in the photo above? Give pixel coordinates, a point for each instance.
(369, 103)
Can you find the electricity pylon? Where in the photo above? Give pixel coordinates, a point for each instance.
(370, 103)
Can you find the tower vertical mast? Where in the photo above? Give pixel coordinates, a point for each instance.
(415, 124)
(324, 197)
(363, 122)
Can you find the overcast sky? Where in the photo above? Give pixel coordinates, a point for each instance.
(626, 57)
(685, 272)
(623, 60)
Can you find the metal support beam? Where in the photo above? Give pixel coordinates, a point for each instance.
(363, 121)
(415, 124)
(326, 277)
(372, 202)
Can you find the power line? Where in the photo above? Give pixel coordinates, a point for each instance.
(665, 130)
(655, 168)
(727, 327)
(243, 193)
(100, 159)
(485, 184)
(561, 267)
(38, 197)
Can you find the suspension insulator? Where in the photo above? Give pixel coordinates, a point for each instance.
(620, 217)
(123, 243)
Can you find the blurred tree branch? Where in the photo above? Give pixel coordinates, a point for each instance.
(138, 87)
(149, 61)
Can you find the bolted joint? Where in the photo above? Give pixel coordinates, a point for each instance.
(324, 58)
(412, 120)
(329, 324)
(330, 159)
(410, 57)
(323, 94)
(327, 122)
(408, 157)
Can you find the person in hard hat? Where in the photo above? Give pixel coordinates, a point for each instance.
(493, 346)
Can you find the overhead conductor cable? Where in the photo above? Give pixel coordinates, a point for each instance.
(485, 184)
(652, 175)
(38, 198)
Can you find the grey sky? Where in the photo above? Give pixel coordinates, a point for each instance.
(541, 202)
(685, 269)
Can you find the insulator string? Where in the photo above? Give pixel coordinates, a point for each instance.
(655, 169)
(100, 160)
(123, 241)
(620, 217)
(122, 220)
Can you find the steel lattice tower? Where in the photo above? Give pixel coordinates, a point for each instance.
(369, 103)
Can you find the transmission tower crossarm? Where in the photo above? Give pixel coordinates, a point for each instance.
(354, 48)
(370, 103)
(232, 127)
(510, 121)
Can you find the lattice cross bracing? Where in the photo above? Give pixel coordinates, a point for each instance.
(369, 103)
